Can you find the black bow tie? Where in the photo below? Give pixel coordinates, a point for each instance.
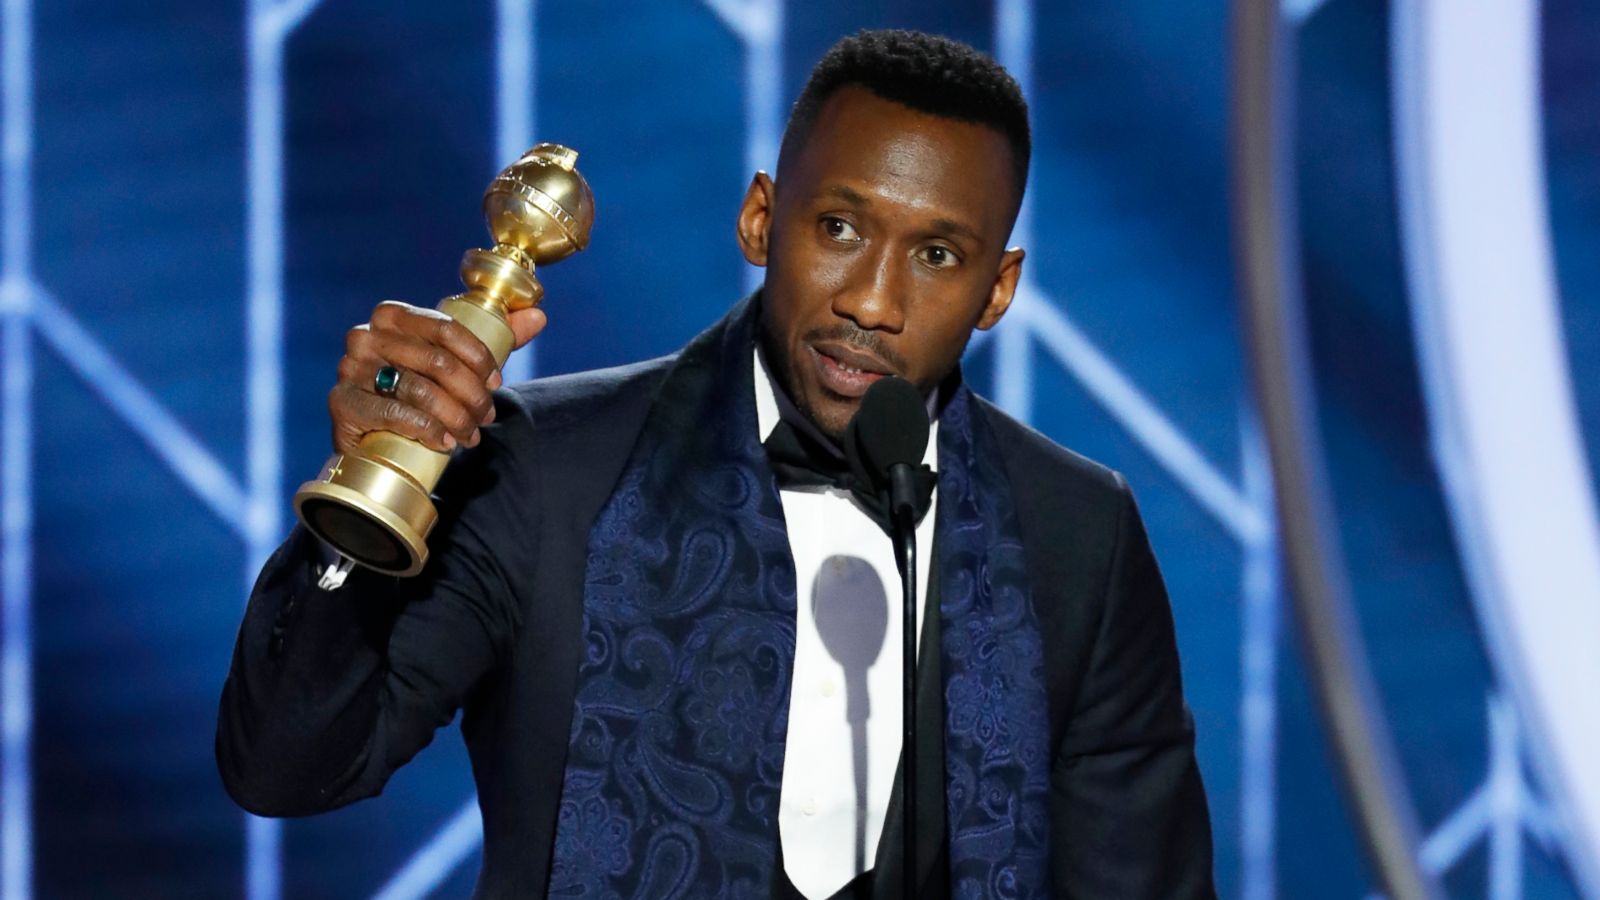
(802, 459)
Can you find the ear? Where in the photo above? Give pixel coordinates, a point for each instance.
(755, 219)
(1004, 289)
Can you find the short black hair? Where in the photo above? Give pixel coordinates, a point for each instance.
(926, 72)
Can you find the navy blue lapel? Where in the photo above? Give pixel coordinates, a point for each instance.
(522, 757)
(676, 752)
(997, 742)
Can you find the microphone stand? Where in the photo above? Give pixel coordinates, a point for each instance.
(888, 436)
(902, 512)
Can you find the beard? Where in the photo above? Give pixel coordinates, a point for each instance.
(782, 365)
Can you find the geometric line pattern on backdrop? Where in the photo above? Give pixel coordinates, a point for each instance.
(447, 849)
(270, 22)
(1498, 812)
(16, 451)
(758, 24)
(1298, 11)
(250, 509)
(515, 117)
(1260, 618)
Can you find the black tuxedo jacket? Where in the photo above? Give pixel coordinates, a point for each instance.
(330, 692)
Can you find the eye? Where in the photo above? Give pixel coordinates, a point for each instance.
(839, 230)
(939, 256)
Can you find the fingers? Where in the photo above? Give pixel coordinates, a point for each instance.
(443, 395)
(415, 391)
(526, 325)
(429, 326)
(357, 412)
(434, 378)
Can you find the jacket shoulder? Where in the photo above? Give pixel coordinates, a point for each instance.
(1034, 463)
(562, 401)
(1071, 512)
(554, 429)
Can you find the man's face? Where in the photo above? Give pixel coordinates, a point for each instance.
(884, 242)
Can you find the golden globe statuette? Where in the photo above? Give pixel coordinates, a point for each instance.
(372, 504)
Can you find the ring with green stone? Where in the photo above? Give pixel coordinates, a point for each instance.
(387, 381)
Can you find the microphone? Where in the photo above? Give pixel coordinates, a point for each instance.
(886, 440)
(884, 445)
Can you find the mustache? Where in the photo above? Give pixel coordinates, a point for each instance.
(854, 335)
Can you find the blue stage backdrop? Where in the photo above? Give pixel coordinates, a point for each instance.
(201, 197)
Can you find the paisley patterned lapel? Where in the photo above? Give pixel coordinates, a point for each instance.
(677, 743)
(997, 739)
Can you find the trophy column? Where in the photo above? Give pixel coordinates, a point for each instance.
(373, 503)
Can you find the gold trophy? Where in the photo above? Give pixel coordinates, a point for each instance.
(372, 504)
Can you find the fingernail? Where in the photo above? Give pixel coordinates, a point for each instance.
(449, 442)
(476, 437)
(490, 417)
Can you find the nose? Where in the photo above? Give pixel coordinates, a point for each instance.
(874, 294)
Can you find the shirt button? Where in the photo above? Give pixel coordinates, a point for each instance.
(810, 808)
(829, 688)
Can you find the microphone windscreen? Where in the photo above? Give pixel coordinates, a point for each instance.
(891, 426)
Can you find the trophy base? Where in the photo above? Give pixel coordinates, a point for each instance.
(370, 513)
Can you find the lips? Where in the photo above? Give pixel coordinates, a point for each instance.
(845, 370)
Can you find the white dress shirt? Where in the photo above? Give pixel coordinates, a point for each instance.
(847, 659)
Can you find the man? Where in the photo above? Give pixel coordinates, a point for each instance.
(640, 620)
